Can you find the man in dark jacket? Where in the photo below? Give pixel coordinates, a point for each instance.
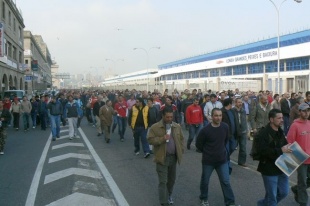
(272, 143)
(241, 126)
(55, 110)
(4, 118)
(42, 110)
(96, 109)
(230, 119)
(62, 99)
(285, 108)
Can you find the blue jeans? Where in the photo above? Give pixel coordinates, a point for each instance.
(34, 118)
(140, 133)
(193, 132)
(223, 175)
(55, 125)
(242, 148)
(276, 187)
(122, 123)
(230, 147)
(26, 120)
(114, 124)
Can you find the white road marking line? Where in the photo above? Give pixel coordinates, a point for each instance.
(69, 155)
(36, 178)
(112, 184)
(85, 186)
(79, 199)
(71, 171)
(68, 145)
(65, 130)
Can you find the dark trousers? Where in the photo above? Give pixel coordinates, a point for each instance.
(16, 119)
(79, 121)
(43, 117)
(286, 123)
(166, 176)
(140, 134)
(242, 148)
(302, 174)
(193, 132)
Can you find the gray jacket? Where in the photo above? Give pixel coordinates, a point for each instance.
(259, 117)
(241, 121)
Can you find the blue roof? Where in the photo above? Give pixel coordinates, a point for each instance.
(285, 40)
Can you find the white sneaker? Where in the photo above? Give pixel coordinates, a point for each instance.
(70, 138)
(1, 153)
(33, 127)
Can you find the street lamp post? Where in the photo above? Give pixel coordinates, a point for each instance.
(278, 15)
(147, 64)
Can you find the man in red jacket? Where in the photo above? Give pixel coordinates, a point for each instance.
(300, 132)
(121, 109)
(194, 119)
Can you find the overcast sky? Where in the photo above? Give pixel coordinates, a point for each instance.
(81, 34)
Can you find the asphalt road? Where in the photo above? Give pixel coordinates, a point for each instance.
(72, 172)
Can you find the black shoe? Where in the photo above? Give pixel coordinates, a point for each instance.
(58, 136)
(98, 134)
(108, 141)
(146, 155)
(188, 146)
(151, 152)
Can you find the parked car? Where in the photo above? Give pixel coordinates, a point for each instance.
(14, 93)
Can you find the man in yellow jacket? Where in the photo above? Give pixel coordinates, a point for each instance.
(167, 140)
(138, 120)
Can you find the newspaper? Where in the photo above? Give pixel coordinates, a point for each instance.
(289, 162)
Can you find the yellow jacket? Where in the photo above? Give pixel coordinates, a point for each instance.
(134, 115)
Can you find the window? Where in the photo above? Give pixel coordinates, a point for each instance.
(203, 73)
(297, 64)
(239, 70)
(20, 33)
(10, 20)
(14, 53)
(180, 76)
(256, 68)
(226, 71)
(14, 24)
(9, 49)
(195, 74)
(214, 72)
(26, 61)
(3, 10)
(20, 57)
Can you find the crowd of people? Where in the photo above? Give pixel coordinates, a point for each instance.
(218, 123)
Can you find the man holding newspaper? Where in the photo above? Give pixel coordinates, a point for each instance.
(300, 132)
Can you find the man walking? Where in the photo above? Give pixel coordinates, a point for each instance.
(42, 109)
(167, 139)
(213, 103)
(122, 111)
(26, 110)
(4, 118)
(106, 113)
(194, 119)
(55, 111)
(72, 113)
(138, 119)
(212, 140)
(241, 125)
(99, 103)
(285, 108)
(272, 143)
(300, 132)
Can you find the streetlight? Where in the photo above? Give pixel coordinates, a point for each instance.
(278, 13)
(147, 64)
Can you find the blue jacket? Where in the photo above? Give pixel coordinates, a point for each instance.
(72, 110)
(42, 107)
(55, 108)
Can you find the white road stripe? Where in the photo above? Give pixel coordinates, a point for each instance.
(36, 178)
(65, 130)
(67, 137)
(71, 171)
(112, 184)
(79, 199)
(68, 145)
(69, 155)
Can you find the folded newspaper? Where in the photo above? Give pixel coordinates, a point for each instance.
(289, 162)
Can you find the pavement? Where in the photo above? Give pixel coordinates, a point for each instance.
(87, 171)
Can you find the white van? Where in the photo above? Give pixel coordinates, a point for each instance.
(14, 93)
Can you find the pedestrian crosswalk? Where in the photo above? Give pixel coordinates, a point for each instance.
(78, 165)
